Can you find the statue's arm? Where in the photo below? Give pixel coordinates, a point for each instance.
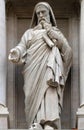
(65, 50)
(61, 42)
(18, 53)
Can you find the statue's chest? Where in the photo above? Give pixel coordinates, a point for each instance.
(39, 33)
(37, 38)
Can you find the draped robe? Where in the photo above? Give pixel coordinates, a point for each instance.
(44, 76)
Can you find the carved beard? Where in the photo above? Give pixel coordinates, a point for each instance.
(45, 19)
(41, 23)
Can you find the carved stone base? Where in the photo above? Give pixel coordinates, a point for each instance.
(3, 117)
(80, 118)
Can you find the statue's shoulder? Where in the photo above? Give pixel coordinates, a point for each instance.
(58, 31)
(30, 30)
(27, 34)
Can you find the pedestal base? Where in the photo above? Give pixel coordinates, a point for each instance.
(3, 117)
(80, 118)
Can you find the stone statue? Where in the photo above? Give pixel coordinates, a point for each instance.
(47, 57)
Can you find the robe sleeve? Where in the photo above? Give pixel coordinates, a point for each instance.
(24, 45)
(64, 48)
(66, 53)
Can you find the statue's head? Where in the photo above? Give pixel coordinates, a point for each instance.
(43, 11)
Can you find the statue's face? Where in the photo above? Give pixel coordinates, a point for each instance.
(42, 13)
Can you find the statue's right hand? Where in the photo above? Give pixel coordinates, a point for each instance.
(14, 55)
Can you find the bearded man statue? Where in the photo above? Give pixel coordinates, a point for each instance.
(47, 57)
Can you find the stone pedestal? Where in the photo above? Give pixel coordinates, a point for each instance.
(3, 117)
(80, 112)
(80, 118)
